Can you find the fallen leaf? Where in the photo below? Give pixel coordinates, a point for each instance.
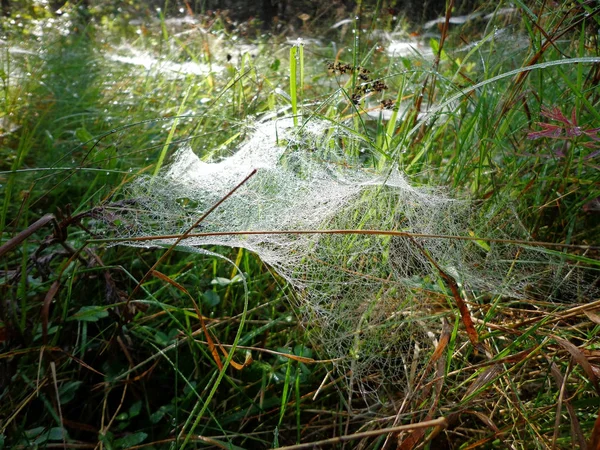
(580, 359)
(443, 342)
(592, 316)
(483, 379)
(465, 314)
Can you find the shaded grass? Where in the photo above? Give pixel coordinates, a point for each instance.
(80, 354)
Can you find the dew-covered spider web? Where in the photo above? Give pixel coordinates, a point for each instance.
(365, 299)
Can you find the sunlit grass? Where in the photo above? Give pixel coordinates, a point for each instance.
(141, 369)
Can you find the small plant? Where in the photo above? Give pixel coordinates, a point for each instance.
(566, 129)
(364, 85)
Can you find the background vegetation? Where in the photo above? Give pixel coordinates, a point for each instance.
(98, 352)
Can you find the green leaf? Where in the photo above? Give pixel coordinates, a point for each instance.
(161, 338)
(237, 279)
(189, 387)
(89, 314)
(186, 202)
(435, 47)
(484, 245)
(210, 298)
(301, 350)
(220, 281)
(57, 434)
(131, 439)
(135, 409)
(34, 432)
(107, 440)
(40, 435)
(434, 44)
(156, 416)
(51, 330)
(83, 135)
(122, 416)
(67, 391)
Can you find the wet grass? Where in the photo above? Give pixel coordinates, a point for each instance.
(97, 351)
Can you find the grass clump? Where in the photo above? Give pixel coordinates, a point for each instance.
(102, 346)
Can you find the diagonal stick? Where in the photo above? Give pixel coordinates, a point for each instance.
(407, 234)
(187, 233)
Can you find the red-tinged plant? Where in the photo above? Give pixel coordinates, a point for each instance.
(566, 129)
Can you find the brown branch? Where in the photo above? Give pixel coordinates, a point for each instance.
(181, 237)
(440, 422)
(187, 234)
(27, 232)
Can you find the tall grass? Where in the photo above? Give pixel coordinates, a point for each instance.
(87, 362)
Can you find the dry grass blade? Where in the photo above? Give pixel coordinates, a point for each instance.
(563, 397)
(46, 309)
(440, 362)
(416, 436)
(104, 429)
(491, 425)
(302, 359)
(45, 313)
(561, 382)
(234, 364)
(443, 342)
(437, 354)
(465, 314)
(125, 351)
(572, 312)
(483, 379)
(57, 394)
(439, 422)
(349, 231)
(80, 362)
(24, 403)
(580, 359)
(209, 340)
(593, 317)
(411, 440)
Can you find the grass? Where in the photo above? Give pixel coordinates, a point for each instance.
(103, 347)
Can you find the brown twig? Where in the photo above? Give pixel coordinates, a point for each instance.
(27, 232)
(439, 422)
(180, 237)
(183, 236)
